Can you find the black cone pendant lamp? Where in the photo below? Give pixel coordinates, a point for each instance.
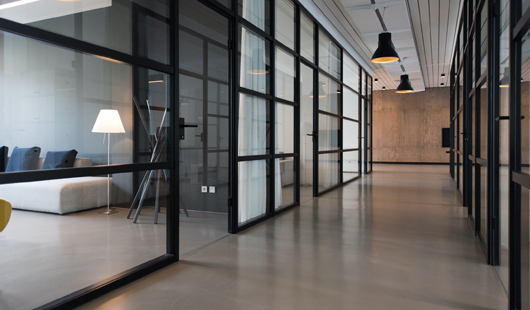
(385, 52)
(404, 87)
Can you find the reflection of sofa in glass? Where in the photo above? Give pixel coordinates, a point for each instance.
(60, 196)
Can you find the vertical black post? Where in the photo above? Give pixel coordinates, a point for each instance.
(316, 90)
(172, 237)
(515, 160)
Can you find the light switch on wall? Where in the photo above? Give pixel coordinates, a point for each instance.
(204, 189)
(212, 189)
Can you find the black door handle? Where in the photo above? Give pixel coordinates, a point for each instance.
(182, 126)
(314, 135)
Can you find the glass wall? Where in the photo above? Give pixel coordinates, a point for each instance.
(204, 90)
(89, 159)
(247, 139)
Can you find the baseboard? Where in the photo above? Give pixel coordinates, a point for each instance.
(407, 163)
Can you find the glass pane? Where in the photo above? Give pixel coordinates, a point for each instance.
(525, 103)
(483, 122)
(363, 84)
(285, 182)
(328, 132)
(369, 165)
(285, 25)
(253, 190)
(504, 147)
(526, 4)
(328, 171)
(329, 55)
(484, 41)
(256, 12)
(350, 166)
(254, 63)
(351, 104)
(525, 248)
(350, 135)
(461, 173)
(49, 104)
(253, 126)
(473, 121)
(79, 243)
(285, 75)
(483, 203)
(133, 27)
(328, 94)
(351, 72)
(306, 127)
(307, 37)
(284, 129)
(369, 136)
(369, 85)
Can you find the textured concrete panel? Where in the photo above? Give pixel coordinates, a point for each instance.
(408, 127)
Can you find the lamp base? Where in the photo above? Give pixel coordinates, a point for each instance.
(108, 211)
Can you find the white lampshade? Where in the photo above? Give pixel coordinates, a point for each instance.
(108, 121)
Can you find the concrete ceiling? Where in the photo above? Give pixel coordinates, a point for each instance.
(423, 33)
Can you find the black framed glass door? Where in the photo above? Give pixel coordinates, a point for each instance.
(204, 109)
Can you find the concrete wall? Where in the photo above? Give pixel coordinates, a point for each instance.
(408, 127)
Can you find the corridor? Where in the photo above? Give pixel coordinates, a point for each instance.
(396, 239)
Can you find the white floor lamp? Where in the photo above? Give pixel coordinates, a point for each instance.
(108, 122)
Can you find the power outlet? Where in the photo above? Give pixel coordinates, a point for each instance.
(204, 189)
(212, 189)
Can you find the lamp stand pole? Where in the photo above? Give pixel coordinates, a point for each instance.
(109, 210)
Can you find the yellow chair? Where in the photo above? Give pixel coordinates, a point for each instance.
(5, 214)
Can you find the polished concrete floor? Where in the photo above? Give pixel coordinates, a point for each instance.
(46, 256)
(397, 239)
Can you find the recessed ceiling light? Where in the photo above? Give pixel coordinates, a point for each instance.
(384, 87)
(443, 75)
(15, 3)
(375, 80)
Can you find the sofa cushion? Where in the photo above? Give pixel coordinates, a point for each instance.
(3, 158)
(23, 159)
(59, 159)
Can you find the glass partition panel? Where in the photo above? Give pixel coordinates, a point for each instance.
(130, 26)
(328, 171)
(328, 133)
(306, 129)
(504, 147)
(285, 24)
(284, 129)
(53, 97)
(285, 182)
(525, 104)
(254, 61)
(253, 190)
(351, 104)
(351, 72)
(350, 135)
(329, 55)
(77, 240)
(256, 12)
(253, 126)
(328, 94)
(307, 37)
(285, 75)
(350, 165)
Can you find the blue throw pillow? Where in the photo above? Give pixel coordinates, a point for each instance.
(23, 159)
(3, 158)
(61, 159)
